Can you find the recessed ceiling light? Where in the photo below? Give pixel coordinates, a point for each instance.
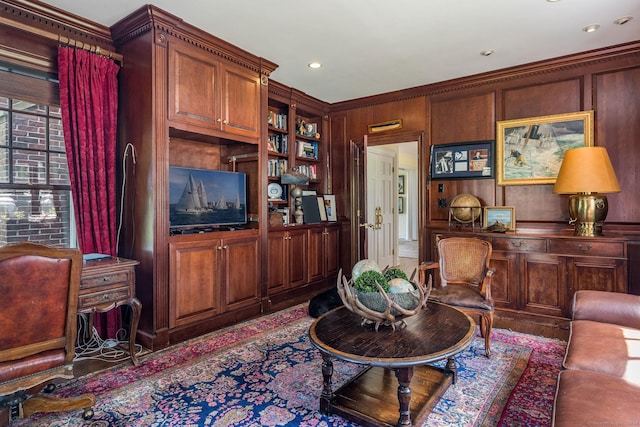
(315, 65)
(623, 20)
(552, 1)
(591, 28)
(486, 52)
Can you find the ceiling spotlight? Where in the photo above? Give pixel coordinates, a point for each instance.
(623, 20)
(486, 52)
(591, 28)
(315, 65)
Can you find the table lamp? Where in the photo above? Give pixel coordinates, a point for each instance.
(296, 178)
(586, 173)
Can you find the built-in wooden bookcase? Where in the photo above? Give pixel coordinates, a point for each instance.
(297, 131)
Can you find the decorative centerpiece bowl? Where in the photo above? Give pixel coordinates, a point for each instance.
(382, 297)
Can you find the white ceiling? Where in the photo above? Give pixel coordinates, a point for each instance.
(369, 47)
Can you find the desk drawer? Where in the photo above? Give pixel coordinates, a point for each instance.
(103, 298)
(587, 247)
(106, 279)
(516, 244)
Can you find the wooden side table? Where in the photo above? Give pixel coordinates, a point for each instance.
(107, 284)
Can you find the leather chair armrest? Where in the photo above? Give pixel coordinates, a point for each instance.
(607, 307)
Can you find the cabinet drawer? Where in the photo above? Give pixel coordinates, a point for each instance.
(517, 244)
(102, 298)
(106, 279)
(587, 247)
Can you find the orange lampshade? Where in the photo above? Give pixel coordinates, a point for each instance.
(586, 170)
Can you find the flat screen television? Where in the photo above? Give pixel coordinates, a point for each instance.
(202, 198)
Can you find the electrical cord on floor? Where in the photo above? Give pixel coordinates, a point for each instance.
(90, 346)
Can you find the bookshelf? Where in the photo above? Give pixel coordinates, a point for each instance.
(296, 135)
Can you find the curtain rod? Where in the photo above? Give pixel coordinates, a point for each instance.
(94, 49)
(66, 40)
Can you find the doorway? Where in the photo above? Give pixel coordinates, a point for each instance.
(392, 190)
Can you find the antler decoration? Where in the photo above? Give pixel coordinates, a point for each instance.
(387, 318)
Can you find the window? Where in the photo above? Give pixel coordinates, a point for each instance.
(35, 192)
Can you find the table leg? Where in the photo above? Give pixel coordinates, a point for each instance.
(136, 309)
(404, 395)
(327, 394)
(452, 367)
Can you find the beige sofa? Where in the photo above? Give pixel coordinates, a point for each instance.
(600, 382)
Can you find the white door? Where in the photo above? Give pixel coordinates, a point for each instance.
(382, 196)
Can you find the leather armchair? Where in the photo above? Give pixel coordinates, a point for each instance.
(39, 287)
(465, 280)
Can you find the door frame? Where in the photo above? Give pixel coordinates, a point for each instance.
(423, 187)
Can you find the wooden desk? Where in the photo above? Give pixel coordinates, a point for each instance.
(107, 284)
(437, 332)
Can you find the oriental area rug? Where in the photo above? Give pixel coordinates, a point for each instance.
(265, 372)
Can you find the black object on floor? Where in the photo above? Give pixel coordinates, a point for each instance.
(327, 300)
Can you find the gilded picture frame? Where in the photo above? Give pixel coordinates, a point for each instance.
(530, 151)
(501, 217)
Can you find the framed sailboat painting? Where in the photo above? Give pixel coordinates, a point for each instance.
(530, 151)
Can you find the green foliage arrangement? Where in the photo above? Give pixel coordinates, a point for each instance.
(366, 282)
(394, 273)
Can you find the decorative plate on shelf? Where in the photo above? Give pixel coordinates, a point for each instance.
(274, 191)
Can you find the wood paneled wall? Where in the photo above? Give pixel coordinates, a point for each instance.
(467, 109)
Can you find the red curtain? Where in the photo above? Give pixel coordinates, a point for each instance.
(89, 104)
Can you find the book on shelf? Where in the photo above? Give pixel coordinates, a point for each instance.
(307, 149)
(276, 167)
(277, 120)
(308, 170)
(278, 144)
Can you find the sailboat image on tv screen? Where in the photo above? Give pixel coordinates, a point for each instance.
(193, 199)
(200, 197)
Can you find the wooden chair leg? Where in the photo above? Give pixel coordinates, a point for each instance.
(42, 403)
(486, 323)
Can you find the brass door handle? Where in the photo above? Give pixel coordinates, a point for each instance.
(379, 218)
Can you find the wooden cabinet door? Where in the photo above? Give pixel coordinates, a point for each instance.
(599, 274)
(504, 286)
(331, 253)
(194, 281)
(297, 248)
(194, 89)
(543, 284)
(241, 102)
(277, 261)
(241, 272)
(316, 254)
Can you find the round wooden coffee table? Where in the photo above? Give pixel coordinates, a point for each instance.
(437, 332)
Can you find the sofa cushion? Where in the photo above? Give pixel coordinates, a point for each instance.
(585, 398)
(604, 347)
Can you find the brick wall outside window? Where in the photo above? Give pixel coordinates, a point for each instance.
(35, 195)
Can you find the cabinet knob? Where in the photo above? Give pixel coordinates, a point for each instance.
(584, 248)
(225, 121)
(517, 244)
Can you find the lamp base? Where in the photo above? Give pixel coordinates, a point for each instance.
(588, 212)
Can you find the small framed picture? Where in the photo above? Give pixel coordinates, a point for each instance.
(500, 218)
(321, 208)
(330, 207)
(400, 204)
(400, 184)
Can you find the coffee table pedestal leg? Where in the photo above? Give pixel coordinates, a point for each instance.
(404, 376)
(327, 394)
(452, 367)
